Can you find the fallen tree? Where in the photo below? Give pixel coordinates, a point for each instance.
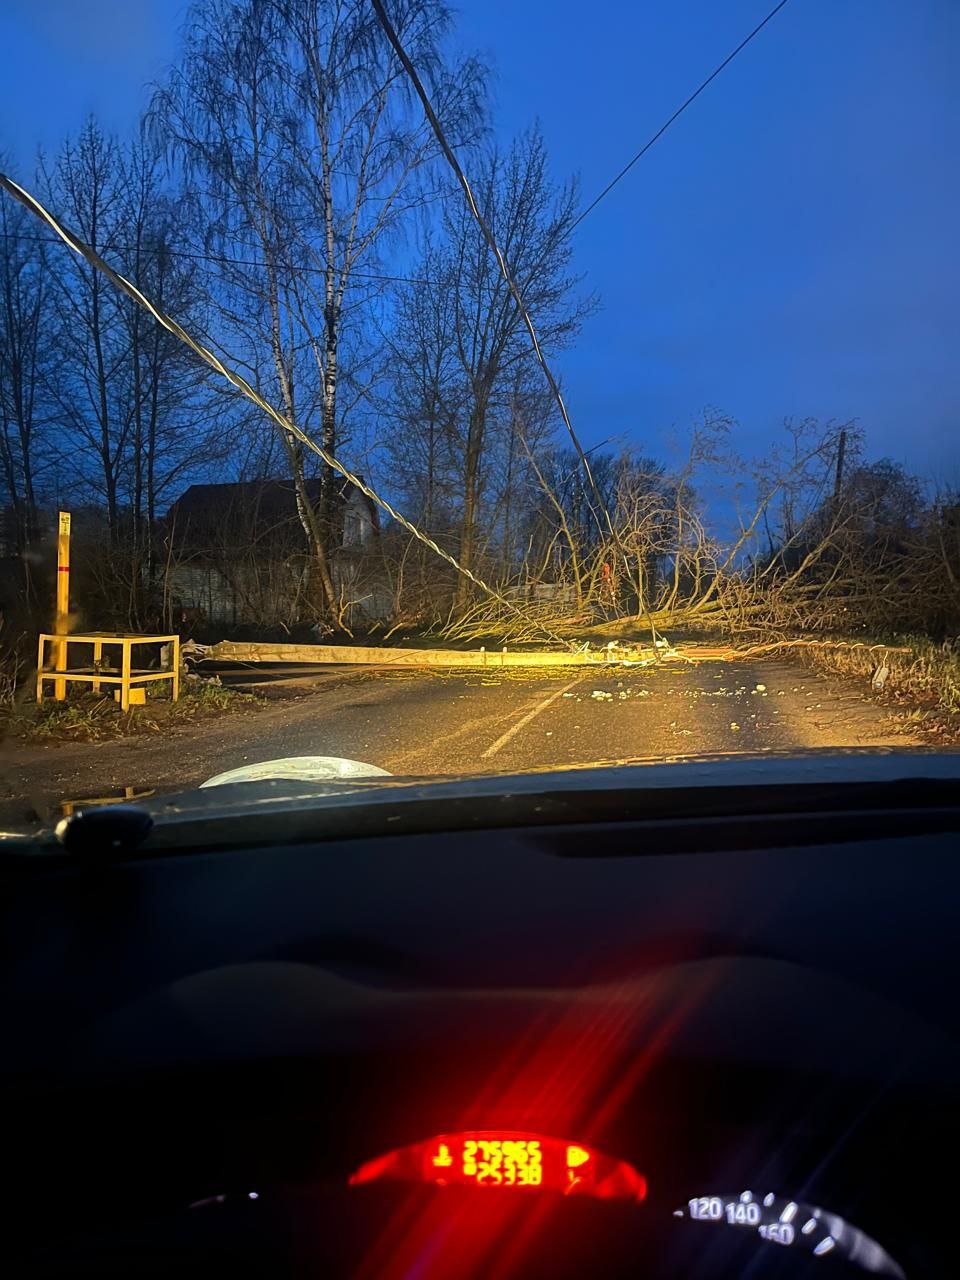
(818, 551)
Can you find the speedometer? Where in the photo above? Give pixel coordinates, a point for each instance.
(791, 1224)
(516, 1167)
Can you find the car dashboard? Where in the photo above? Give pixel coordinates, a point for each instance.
(671, 1047)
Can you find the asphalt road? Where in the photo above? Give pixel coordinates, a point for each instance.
(427, 723)
(507, 721)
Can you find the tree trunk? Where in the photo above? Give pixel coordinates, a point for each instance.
(106, 459)
(331, 316)
(151, 468)
(311, 523)
(136, 531)
(471, 480)
(507, 550)
(328, 431)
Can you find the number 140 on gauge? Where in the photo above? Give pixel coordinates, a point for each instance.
(712, 1209)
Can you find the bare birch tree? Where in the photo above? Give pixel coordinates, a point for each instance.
(296, 127)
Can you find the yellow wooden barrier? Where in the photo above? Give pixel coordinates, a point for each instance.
(129, 676)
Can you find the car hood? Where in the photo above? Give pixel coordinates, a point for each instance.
(285, 810)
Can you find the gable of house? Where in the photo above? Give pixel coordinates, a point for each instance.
(263, 514)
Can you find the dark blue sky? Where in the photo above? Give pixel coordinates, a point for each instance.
(789, 247)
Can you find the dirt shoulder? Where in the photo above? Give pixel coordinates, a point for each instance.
(152, 746)
(918, 686)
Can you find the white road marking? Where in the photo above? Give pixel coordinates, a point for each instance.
(398, 764)
(525, 720)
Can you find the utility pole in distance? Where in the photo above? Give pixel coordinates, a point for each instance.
(838, 481)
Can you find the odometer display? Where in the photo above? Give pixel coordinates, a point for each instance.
(499, 1162)
(525, 1161)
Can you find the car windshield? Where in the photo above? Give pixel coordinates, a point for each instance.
(388, 390)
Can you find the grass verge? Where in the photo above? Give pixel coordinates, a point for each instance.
(924, 682)
(90, 717)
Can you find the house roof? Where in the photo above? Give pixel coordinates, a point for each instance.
(274, 499)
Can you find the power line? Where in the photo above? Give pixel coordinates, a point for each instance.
(491, 241)
(679, 112)
(121, 283)
(223, 259)
(396, 279)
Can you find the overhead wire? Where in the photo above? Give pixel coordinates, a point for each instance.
(492, 245)
(229, 260)
(226, 259)
(676, 115)
(172, 326)
(244, 387)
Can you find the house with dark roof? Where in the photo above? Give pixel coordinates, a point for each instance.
(239, 556)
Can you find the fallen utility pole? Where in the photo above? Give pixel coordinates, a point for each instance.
(383, 656)
(624, 653)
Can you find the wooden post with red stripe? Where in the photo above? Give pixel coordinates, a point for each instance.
(62, 624)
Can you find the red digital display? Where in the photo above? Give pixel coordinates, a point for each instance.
(505, 1159)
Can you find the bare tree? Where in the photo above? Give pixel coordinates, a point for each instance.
(423, 401)
(531, 218)
(24, 365)
(177, 421)
(222, 110)
(123, 408)
(295, 124)
(86, 186)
